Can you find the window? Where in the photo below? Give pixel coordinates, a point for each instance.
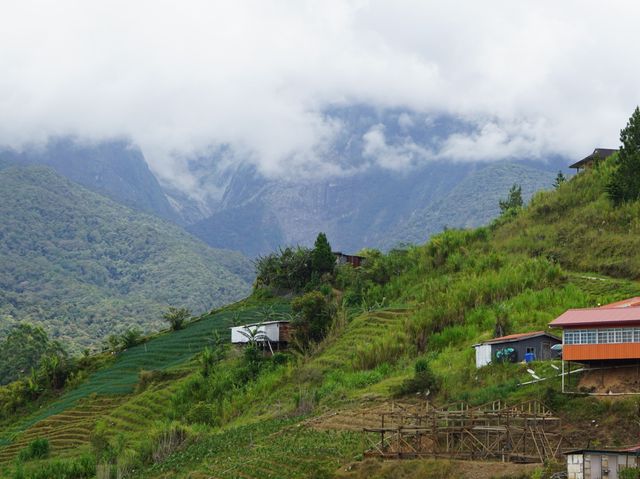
(531, 350)
(602, 336)
(588, 336)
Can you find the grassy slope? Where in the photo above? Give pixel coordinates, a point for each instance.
(109, 392)
(114, 267)
(447, 298)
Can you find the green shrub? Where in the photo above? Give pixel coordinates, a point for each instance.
(313, 320)
(629, 473)
(131, 337)
(37, 449)
(176, 317)
(423, 380)
(77, 468)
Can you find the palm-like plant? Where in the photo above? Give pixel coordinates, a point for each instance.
(255, 335)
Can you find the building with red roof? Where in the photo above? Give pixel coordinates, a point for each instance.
(604, 334)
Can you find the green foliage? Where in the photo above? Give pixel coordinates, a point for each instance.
(624, 184)
(122, 375)
(83, 467)
(423, 381)
(24, 348)
(176, 317)
(130, 337)
(114, 267)
(560, 179)
(265, 448)
(629, 473)
(295, 269)
(287, 270)
(578, 227)
(513, 202)
(322, 258)
(313, 318)
(37, 449)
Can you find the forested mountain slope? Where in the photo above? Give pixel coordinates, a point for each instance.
(85, 267)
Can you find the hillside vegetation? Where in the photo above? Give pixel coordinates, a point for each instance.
(402, 324)
(85, 267)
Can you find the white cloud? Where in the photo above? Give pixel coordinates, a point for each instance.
(399, 156)
(180, 78)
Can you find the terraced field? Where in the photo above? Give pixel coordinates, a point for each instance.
(68, 421)
(66, 431)
(265, 450)
(360, 331)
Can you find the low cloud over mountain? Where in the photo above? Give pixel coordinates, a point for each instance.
(259, 82)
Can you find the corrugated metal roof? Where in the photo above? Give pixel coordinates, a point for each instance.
(625, 303)
(630, 450)
(516, 337)
(280, 321)
(596, 317)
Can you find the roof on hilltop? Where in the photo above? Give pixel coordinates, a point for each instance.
(598, 153)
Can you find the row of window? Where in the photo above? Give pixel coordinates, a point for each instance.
(602, 336)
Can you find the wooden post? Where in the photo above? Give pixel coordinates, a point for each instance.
(562, 374)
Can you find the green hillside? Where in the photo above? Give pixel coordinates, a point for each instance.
(403, 323)
(85, 267)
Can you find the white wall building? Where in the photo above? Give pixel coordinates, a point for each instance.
(275, 332)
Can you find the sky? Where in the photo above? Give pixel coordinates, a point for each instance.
(182, 79)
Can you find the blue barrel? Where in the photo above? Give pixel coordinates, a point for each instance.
(528, 357)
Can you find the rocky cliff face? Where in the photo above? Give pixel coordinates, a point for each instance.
(377, 208)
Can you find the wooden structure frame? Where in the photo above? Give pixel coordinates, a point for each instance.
(524, 432)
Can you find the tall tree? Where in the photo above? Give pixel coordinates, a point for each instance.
(322, 258)
(560, 178)
(513, 202)
(624, 184)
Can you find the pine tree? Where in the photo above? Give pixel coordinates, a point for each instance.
(322, 258)
(625, 181)
(514, 200)
(560, 178)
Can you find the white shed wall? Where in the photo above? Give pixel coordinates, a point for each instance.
(483, 355)
(271, 330)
